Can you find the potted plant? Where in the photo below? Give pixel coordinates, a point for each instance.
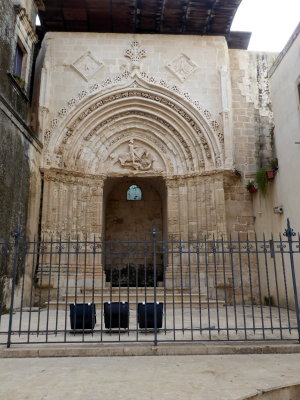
(274, 164)
(251, 187)
(20, 81)
(262, 180)
(274, 167)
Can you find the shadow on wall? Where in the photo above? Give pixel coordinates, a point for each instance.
(280, 393)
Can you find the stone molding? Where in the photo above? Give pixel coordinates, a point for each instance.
(26, 23)
(201, 141)
(125, 79)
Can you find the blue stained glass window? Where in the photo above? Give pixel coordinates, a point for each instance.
(134, 193)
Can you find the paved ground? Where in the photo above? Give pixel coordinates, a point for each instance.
(247, 320)
(173, 377)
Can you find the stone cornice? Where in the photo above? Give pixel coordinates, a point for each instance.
(25, 20)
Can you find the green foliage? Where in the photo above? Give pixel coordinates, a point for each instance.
(262, 180)
(274, 164)
(20, 81)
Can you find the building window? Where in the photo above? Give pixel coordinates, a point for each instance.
(18, 61)
(20, 65)
(134, 193)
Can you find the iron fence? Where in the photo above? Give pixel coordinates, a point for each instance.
(209, 289)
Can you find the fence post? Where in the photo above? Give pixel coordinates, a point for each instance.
(16, 235)
(289, 233)
(154, 278)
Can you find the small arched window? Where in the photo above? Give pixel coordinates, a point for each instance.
(134, 192)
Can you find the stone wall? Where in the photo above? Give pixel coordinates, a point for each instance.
(19, 147)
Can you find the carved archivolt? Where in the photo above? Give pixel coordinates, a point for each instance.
(174, 123)
(125, 79)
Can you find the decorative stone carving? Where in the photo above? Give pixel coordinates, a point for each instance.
(154, 97)
(136, 158)
(122, 79)
(135, 53)
(87, 66)
(182, 67)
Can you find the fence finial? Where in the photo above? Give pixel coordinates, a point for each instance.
(289, 232)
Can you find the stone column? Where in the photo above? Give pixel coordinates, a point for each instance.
(72, 208)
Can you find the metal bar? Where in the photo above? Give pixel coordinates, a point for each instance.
(199, 285)
(289, 233)
(181, 285)
(42, 250)
(173, 289)
(24, 254)
(259, 285)
(49, 285)
(190, 290)
(128, 274)
(165, 252)
(155, 279)
(265, 249)
(94, 249)
(137, 301)
(145, 281)
(242, 286)
(84, 287)
(248, 247)
(277, 291)
(281, 246)
(231, 248)
(111, 283)
(225, 286)
(103, 276)
(31, 287)
(215, 248)
(16, 236)
(67, 288)
(207, 287)
(60, 247)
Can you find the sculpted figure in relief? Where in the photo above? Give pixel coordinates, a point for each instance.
(136, 158)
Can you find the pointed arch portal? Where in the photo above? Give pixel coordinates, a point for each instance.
(134, 134)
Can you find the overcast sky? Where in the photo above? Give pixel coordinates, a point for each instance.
(271, 22)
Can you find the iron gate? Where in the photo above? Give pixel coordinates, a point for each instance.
(63, 290)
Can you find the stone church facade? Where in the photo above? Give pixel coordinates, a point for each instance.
(185, 120)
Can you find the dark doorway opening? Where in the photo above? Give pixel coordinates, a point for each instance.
(134, 208)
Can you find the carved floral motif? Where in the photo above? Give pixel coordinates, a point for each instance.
(182, 67)
(135, 53)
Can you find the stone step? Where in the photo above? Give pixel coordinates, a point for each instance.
(178, 300)
(98, 298)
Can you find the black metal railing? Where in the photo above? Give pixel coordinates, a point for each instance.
(209, 289)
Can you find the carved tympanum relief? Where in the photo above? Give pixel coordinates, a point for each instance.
(87, 66)
(137, 158)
